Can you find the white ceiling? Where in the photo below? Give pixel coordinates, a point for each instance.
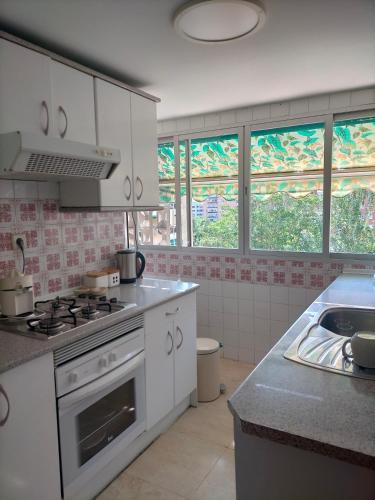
(305, 47)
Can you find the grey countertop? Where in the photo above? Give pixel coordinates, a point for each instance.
(306, 407)
(146, 293)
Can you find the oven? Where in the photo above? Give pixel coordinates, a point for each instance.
(101, 407)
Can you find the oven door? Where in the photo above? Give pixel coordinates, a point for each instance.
(98, 420)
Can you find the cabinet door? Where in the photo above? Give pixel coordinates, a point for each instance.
(159, 365)
(144, 142)
(114, 130)
(185, 359)
(25, 99)
(29, 455)
(73, 104)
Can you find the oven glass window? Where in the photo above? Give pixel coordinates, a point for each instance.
(101, 422)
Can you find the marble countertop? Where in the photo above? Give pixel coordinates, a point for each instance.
(306, 407)
(146, 293)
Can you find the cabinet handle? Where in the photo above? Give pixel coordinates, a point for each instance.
(171, 349)
(62, 110)
(127, 180)
(4, 420)
(173, 313)
(46, 128)
(178, 330)
(139, 196)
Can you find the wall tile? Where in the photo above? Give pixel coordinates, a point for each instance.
(26, 189)
(279, 109)
(6, 189)
(319, 103)
(230, 305)
(197, 122)
(279, 312)
(215, 303)
(279, 294)
(211, 120)
(299, 106)
(230, 289)
(261, 293)
(48, 190)
(261, 309)
(244, 115)
(245, 291)
(182, 124)
(364, 96)
(339, 100)
(261, 112)
(227, 117)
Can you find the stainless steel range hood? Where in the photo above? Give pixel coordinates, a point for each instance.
(28, 156)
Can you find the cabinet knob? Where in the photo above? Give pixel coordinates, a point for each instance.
(103, 362)
(46, 127)
(112, 357)
(139, 180)
(73, 377)
(63, 112)
(169, 335)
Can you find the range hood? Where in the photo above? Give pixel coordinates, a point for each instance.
(28, 156)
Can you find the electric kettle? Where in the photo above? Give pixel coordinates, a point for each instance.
(131, 264)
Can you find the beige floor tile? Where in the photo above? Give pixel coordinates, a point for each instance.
(193, 459)
(128, 487)
(177, 462)
(220, 482)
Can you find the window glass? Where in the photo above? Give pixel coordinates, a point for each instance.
(159, 227)
(286, 188)
(214, 191)
(353, 186)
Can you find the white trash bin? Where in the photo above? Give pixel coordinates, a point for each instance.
(208, 362)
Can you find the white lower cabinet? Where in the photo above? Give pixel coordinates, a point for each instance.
(29, 455)
(170, 346)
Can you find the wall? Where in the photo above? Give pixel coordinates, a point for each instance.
(60, 246)
(249, 302)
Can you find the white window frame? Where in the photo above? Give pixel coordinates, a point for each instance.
(243, 131)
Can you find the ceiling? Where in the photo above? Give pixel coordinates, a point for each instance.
(305, 47)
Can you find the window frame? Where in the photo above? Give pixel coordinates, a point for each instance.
(244, 130)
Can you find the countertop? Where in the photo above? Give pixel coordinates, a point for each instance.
(146, 293)
(306, 407)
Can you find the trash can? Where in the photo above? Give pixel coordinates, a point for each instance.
(208, 363)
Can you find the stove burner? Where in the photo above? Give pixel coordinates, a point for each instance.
(49, 326)
(89, 311)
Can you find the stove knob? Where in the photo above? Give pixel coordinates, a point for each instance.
(112, 357)
(73, 377)
(103, 362)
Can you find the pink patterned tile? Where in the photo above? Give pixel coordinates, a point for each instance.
(89, 255)
(299, 264)
(6, 266)
(261, 276)
(187, 270)
(89, 232)
(162, 268)
(54, 285)
(32, 265)
(69, 217)
(104, 232)
(37, 288)
(230, 273)
(215, 272)
(6, 212)
(71, 235)
(150, 267)
(51, 236)
(200, 271)
(5, 241)
(72, 258)
(105, 252)
(53, 262)
(173, 270)
(50, 211)
(279, 278)
(315, 280)
(118, 230)
(32, 239)
(245, 274)
(73, 280)
(297, 278)
(27, 211)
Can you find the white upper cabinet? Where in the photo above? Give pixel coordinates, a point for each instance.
(73, 108)
(25, 90)
(114, 130)
(144, 142)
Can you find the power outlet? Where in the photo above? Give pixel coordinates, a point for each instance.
(15, 238)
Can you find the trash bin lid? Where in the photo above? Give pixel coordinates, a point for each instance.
(207, 346)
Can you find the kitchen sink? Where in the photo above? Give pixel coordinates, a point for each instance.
(320, 343)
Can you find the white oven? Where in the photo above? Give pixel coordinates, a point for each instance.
(101, 407)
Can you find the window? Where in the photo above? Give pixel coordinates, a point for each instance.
(159, 227)
(214, 191)
(353, 186)
(286, 188)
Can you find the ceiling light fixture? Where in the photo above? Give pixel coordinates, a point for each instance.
(218, 21)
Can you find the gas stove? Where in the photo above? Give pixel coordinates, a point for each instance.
(62, 314)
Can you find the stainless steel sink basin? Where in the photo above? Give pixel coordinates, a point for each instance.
(320, 343)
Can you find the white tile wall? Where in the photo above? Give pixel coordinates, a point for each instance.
(337, 102)
(248, 318)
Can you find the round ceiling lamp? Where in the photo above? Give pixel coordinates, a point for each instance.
(218, 21)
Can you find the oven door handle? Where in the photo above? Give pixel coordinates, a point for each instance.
(101, 383)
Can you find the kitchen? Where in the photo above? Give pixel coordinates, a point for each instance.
(252, 211)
